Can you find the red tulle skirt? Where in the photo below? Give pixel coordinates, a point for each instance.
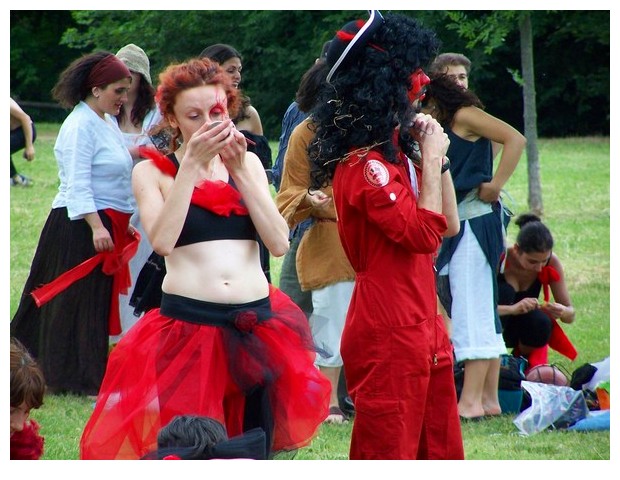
(165, 367)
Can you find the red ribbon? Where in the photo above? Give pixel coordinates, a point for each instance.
(114, 263)
(558, 340)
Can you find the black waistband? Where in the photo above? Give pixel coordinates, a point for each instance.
(240, 315)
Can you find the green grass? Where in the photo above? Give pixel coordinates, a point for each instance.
(576, 194)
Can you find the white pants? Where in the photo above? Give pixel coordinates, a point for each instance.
(330, 305)
(473, 309)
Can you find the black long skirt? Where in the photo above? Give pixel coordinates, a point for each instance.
(68, 335)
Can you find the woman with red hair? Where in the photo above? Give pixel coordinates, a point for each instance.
(224, 343)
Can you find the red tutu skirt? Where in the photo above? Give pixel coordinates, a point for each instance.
(247, 366)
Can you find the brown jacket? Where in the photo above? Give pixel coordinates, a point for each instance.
(321, 260)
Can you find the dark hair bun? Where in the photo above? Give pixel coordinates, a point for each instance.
(526, 218)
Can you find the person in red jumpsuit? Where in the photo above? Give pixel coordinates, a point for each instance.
(392, 192)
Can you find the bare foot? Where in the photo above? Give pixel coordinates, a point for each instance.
(492, 409)
(336, 416)
(470, 412)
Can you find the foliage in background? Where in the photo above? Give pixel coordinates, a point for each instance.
(571, 53)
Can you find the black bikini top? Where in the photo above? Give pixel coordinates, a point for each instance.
(203, 225)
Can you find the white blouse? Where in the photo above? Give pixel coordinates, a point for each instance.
(137, 139)
(94, 166)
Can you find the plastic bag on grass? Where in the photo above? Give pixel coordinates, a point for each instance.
(552, 407)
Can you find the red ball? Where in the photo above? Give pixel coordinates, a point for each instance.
(549, 374)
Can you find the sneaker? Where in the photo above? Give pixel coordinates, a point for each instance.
(20, 181)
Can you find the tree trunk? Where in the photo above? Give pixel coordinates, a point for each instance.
(529, 115)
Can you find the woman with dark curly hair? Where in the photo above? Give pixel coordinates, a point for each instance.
(467, 263)
(391, 186)
(69, 305)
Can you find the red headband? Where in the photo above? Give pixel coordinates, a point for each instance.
(108, 70)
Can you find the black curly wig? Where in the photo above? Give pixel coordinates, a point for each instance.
(365, 101)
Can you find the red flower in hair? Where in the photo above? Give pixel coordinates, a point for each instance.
(245, 321)
(171, 457)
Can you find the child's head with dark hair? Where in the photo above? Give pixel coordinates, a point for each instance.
(195, 437)
(27, 390)
(27, 382)
(534, 236)
(196, 434)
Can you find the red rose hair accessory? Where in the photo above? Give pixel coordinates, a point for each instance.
(171, 457)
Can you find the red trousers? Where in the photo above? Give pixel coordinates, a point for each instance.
(401, 381)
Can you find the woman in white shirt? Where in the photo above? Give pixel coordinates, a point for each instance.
(69, 305)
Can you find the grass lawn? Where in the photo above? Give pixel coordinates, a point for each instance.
(576, 194)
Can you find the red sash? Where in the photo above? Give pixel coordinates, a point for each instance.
(558, 340)
(114, 263)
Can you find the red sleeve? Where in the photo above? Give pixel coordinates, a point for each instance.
(383, 191)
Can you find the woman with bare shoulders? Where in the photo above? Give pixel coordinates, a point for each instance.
(224, 343)
(467, 262)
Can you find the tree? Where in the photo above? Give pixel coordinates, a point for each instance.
(534, 199)
(491, 30)
(278, 46)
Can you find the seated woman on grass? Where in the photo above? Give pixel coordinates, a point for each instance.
(530, 326)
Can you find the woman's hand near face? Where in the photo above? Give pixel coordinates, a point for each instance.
(207, 142)
(433, 140)
(233, 154)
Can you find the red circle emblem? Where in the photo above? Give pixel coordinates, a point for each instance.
(376, 174)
